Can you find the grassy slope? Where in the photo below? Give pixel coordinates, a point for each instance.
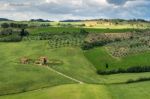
(75, 64)
(99, 57)
(26, 77)
(66, 92)
(74, 91)
(130, 91)
(15, 77)
(120, 78)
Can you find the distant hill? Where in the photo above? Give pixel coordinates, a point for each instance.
(107, 20)
(71, 21)
(119, 20)
(40, 20)
(5, 19)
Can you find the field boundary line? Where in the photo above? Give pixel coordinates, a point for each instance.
(80, 82)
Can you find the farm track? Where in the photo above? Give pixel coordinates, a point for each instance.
(51, 69)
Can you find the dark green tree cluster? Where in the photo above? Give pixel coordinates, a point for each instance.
(136, 69)
(13, 25)
(9, 35)
(6, 32)
(5, 25)
(89, 45)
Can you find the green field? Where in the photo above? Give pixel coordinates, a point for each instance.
(85, 91)
(35, 31)
(66, 92)
(16, 77)
(100, 56)
(88, 24)
(76, 76)
(22, 78)
(130, 91)
(73, 27)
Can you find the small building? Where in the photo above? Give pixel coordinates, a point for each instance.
(42, 61)
(24, 60)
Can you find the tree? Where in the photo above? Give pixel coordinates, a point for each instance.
(83, 32)
(106, 65)
(4, 25)
(24, 33)
(7, 32)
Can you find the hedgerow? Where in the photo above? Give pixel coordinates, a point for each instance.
(136, 69)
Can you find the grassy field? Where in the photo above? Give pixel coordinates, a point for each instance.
(36, 28)
(121, 78)
(66, 92)
(33, 81)
(100, 57)
(130, 91)
(15, 77)
(22, 78)
(76, 65)
(85, 91)
(35, 31)
(88, 24)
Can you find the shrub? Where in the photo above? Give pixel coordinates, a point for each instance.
(106, 65)
(83, 32)
(8, 35)
(130, 81)
(138, 80)
(7, 32)
(12, 38)
(136, 69)
(87, 45)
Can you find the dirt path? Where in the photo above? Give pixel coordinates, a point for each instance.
(80, 82)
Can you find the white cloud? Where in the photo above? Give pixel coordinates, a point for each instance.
(135, 3)
(73, 9)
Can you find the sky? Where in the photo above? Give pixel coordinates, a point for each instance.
(74, 9)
